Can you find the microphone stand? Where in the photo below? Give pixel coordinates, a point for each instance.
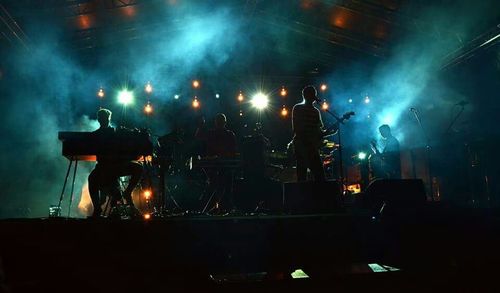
(341, 164)
(462, 108)
(427, 149)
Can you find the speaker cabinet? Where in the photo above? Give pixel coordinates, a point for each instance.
(311, 197)
(398, 193)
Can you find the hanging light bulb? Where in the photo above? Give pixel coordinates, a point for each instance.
(100, 93)
(284, 111)
(240, 97)
(283, 91)
(148, 88)
(148, 109)
(196, 103)
(324, 105)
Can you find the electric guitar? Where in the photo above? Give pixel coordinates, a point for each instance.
(333, 128)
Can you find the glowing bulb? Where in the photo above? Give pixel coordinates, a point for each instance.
(176, 97)
(100, 93)
(196, 103)
(260, 101)
(148, 88)
(217, 96)
(241, 97)
(283, 92)
(362, 156)
(284, 111)
(147, 216)
(323, 87)
(350, 100)
(367, 100)
(241, 113)
(324, 105)
(125, 97)
(196, 84)
(147, 194)
(148, 109)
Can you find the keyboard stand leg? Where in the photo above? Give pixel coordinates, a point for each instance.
(72, 188)
(64, 185)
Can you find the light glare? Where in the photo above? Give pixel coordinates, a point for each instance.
(148, 88)
(125, 97)
(260, 101)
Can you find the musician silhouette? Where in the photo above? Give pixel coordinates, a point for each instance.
(109, 168)
(386, 163)
(307, 128)
(220, 142)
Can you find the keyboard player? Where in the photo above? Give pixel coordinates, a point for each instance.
(104, 177)
(220, 144)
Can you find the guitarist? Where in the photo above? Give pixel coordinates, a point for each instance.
(307, 128)
(387, 163)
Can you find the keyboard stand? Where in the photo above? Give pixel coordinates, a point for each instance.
(71, 159)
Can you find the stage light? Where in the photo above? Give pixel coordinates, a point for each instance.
(148, 109)
(196, 103)
(100, 93)
(324, 105)
(367, 100)
(350, 100)
(362, 155)
(259, 101)
(148, 88)
(147, 194)
(176, 97)
(147, 216)
(125, 97)
(283, 92)
(196, 84)
(240, 97)
(323, 87)
(217, 96)
(284, 111)
(241, 113)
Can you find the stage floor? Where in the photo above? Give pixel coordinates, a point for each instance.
(435, 247)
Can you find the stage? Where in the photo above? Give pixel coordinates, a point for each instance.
(436, 246)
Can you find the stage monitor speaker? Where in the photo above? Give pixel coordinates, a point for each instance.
(311, 197)
(398, 193)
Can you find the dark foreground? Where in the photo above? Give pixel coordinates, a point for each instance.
(434, 248)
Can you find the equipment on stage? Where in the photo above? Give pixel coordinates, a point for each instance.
(123, 145)
(86, 146)
(389, 195)
(331, 130)
(311, 197)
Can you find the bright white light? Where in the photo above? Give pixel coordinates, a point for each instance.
(350, 100)
(148, 88)
(125, 97)
(362, 156)
(259, 101)
(367, 100)
(217, 96)
(176, 97)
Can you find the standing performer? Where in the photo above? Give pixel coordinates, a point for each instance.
(386, 164)
(308, 131)
(109, 168)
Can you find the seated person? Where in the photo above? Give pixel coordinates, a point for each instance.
(104, 177)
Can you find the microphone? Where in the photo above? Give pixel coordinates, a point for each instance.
(413, 110)
(462, 103)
